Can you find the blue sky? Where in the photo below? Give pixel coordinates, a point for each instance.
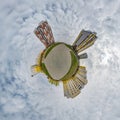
(23, 97)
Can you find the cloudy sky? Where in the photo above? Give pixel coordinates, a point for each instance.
(26, 98)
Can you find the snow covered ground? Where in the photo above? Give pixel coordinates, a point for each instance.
(25, 98)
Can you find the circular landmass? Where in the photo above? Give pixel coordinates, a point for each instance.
(59, 62)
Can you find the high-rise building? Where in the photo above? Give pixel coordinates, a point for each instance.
(61, 61)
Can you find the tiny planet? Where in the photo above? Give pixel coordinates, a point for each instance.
(60, 62)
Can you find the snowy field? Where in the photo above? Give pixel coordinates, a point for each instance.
(25, 98)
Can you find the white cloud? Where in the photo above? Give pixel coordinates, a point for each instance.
(23, 97)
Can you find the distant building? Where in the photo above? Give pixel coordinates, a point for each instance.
(60, 61)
